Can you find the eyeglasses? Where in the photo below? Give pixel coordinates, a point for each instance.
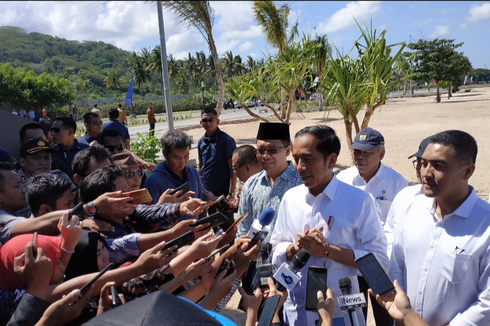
(207, 120)
(55, 130)
(96, 123)
(270, 151)
(417, 164)
(234, 168)
(113, 148)
(129, 174)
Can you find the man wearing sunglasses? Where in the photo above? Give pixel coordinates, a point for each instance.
(63, 130)
(93, 123)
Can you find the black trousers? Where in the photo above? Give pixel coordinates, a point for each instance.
(381, 316)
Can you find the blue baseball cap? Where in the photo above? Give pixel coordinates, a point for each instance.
(367, 140)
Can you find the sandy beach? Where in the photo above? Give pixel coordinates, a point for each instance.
(404, 122)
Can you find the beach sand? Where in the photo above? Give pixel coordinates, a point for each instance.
(403, 122)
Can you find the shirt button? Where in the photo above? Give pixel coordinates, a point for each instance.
(420, 293)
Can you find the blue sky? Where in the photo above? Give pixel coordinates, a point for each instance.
(132, 25)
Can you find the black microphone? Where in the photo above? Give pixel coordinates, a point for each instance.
(285, 275)
(345, 286)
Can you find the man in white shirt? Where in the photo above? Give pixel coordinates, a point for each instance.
(441, 248)
(335, 222)
(381, 182)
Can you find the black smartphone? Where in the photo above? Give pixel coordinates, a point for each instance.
(115, 297)
(316, 281)
(215, 219)
(218, 251)
(374, 274)
(270, 306)
(260, 236)
(78, 211)
(185, 188)
(249, 277)
(33, 247)
(181, 240)
(87, 286)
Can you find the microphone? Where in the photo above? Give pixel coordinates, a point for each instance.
(285, 275)
(348, 301)
(265, 218)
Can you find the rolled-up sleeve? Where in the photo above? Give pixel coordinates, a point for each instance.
(123, 248)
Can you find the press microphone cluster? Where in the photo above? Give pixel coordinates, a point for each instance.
(286, 275)
(264, 220)
(349, 302)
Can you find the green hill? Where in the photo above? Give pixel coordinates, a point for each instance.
(64, 58)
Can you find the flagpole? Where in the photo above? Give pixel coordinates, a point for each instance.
(165, 80)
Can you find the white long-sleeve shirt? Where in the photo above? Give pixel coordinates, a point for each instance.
(383, 186)
(444, 266)
(354, 225)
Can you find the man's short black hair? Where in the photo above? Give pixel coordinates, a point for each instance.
(89, 115)
(31, 125)
(463, 143)
(327, 141)
(81, 161)
(99, 182)
(109, 132)
(209, 111)
(46, 188)
(68, 123)
(4, 166)
(113, 114)
(175, 139)
(246, 154)
(119, 105)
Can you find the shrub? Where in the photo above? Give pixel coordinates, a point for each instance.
(146, 147)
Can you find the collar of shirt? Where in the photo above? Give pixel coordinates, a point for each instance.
(464, 210)
(213, 138)
(329, 190)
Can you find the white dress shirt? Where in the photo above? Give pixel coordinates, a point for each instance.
(383, 186)
(398, 208)
(354, 225)
(444, 266)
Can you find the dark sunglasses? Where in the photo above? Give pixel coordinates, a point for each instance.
(207, 120)
(234, 168)
(96, 123)
(55, 130)
(128, 174)
(270, 151)
(112, 148)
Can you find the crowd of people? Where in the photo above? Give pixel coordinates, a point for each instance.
(68, 211)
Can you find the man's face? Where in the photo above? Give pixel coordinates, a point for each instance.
(39, 162)
(114, 144)
(367, 163)
(443, 176)
(33, 133)
(94, 127)
(12, 194)
(239, 170)
(274, 155)
(133, 176)
(209, 122)
(61, 136)
(177, 159)
(313, 168)
(65, 201)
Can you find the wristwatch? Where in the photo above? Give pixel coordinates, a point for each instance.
(90, 210)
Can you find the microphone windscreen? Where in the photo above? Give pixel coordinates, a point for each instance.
(301, 258)
(345, 281)
(266, 216)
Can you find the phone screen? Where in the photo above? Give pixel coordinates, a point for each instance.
(316, 281)
(260, 236)
(215, 219)
(270, 306)
(185, 188)
(34, 250)
(374, 274)
(181, 240)
(77, 210)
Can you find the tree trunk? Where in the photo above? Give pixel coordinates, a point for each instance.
(438, 95)
(253, 114)
(405, 87)
(449, 95)
(290, 105)
(348, 136)
(270, 108)
(219, 77)
(320, 103)
(353, 118)
(369, 113)
(283, 103)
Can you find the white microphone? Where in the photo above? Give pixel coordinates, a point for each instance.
(348, 301)
(265, 218)
(286, 275)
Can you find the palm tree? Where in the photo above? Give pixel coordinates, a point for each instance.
(155, 61)
(138, 69)
(112, 79)
(200, 15)
(274, 23)
(320, 58)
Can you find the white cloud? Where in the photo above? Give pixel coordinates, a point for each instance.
(344, 18)
(463, 26)
(478, 13)
(440, 31)
(179, 45)
(245, 46)
(422, 22)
